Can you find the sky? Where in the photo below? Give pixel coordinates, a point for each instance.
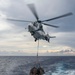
(16, 41)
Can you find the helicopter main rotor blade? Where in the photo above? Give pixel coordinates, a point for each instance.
(17, 20)
(52, 36)
(50, 25)
(65, 15)
(32, 8)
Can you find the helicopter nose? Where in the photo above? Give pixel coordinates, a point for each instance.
(30, 28)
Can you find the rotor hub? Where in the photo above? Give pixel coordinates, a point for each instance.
(39, 21)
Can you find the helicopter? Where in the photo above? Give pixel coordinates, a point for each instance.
(36, 27)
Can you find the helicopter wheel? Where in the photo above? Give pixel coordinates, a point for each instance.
(35, 40)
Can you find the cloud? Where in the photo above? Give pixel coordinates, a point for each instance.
(5, 26)
(4, 3)
(67, 39)
(12, 33)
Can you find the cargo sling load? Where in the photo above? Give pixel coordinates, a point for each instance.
(37, 69)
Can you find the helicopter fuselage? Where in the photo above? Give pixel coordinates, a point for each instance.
(36, 30)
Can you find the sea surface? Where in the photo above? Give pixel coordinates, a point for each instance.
(53, 65)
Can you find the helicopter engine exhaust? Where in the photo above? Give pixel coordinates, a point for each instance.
(47, 37)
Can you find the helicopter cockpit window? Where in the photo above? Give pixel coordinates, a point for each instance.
(35, 24)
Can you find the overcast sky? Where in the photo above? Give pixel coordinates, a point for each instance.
(15, 40)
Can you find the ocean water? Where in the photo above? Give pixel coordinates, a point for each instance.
(53, 65)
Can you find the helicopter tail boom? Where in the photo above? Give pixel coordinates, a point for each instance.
(47, 38)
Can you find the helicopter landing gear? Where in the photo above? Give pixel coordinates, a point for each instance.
(35, 40)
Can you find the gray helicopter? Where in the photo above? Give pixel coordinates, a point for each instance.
(36, 27)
